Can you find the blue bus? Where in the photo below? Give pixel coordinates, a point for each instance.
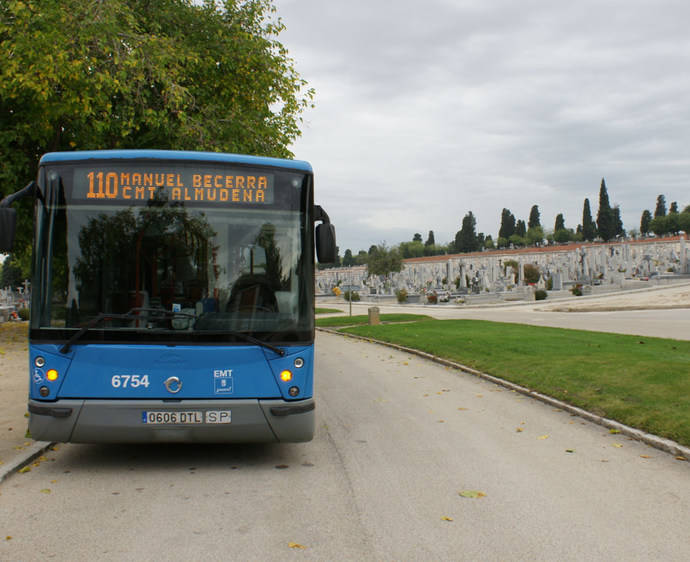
(172, 296)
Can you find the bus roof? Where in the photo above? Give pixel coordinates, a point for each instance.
(80, 156)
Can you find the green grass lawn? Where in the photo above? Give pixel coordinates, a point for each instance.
(327, 310)
(639, 381)
(338, 321)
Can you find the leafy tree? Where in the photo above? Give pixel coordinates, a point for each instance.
(673, 223)
(535, 235)
(560, 223)
(466, 237)
(430, 240)
(645, 221)
(605, 219)
(517, 240)
(11, 275)
(673, 208)
(660, 210)
(362, 257)
(659, 226)
(532, 272)
(348, 258)
(534, 219)
(384, 261)
(507, 224)
(417, 237)
(489, 242)
(563, 235)
(413, 249)
(129, 74)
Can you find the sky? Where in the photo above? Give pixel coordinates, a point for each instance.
(426, 110)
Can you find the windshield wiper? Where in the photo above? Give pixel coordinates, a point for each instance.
(256, 341)
(132, 314)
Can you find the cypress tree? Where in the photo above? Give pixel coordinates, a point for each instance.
(589, 229)
(560, 223)
(618, 222)
(430, 240)
(521, 228)
(645, 220)
(507, 224)
(605, 218)
(660, 210)
(533, 221)
(466, 237)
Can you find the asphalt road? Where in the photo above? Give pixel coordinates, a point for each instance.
(398, 438)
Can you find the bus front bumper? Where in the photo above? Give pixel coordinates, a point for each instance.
(158, 421)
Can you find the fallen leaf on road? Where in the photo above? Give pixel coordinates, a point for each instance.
(446, 518)
(614, 431)
(570, 450)
(45, 491)
(463, 409)
(542, 437)
(25, 470)
(645, 456)
(296, 545)
(8, 538)
(472, 494)
(681, 458)
(519, 429)
(618, 445)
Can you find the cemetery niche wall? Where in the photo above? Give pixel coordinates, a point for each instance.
(496, 276)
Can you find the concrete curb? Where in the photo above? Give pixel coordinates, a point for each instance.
(29, 454)
(655, 441)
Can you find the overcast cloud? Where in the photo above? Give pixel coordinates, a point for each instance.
(428, 110)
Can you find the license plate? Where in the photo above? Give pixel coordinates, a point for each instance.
(168, 417)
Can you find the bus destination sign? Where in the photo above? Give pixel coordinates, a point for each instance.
(224, 187)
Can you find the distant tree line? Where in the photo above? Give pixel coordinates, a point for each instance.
(517, 233)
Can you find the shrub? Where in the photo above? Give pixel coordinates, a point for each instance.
(531, 273)
(351, 296)
(540, 295)
(577, 290)
(432, 298)
(401, 294)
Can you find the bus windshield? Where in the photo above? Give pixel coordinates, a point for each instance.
(195, 251)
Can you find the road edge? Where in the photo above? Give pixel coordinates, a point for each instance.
(31, 452)
(661, 443)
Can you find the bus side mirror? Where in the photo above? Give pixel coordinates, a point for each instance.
(8, 226)
(325, 243)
